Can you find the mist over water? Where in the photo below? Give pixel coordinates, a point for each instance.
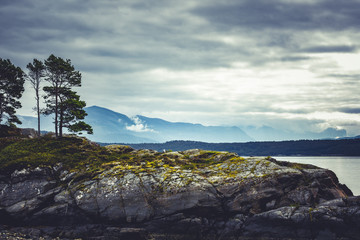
(347, 169)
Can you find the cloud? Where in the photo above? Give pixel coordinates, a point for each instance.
(138, 126)
(294, 58)
(354, 78)
(350, 110)
(292, 15)
(331, 49)
(228, 63)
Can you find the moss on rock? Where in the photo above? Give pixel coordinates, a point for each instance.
(88, 159)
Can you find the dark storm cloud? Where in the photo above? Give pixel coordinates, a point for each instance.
(169, 41)
(355, 78)
(39, 22)
(39, 27)
(294, 58)
(349, 110)
(198, 57)
(138, 43)
(292, 15)
(146, 39)
(155, 54)
(287, 27)
(330, 49)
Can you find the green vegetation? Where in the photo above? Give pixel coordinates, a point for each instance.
(11, 89)
(79, 154)
(73, 153)
(88, 159)
(311, 213)
(9, 131)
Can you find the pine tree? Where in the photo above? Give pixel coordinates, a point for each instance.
(60, 100)
(11, 90)
(72, 111)
(36, 73)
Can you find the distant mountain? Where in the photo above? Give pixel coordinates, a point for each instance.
(31, 122)
(266, 133)
(110, 126)
(114, 127)
(188, 131)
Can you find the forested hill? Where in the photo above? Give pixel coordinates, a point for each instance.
(345, 147)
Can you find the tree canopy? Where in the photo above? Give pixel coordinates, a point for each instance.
(11, 90)
(36, 73)
(60, 99)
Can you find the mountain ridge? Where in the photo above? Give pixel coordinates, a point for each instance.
(110, 126)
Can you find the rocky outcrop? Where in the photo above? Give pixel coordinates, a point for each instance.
(193, 194)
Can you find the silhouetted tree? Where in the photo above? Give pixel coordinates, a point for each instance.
(11, 90)
(72, 110)
(60, 100)
(36, 73)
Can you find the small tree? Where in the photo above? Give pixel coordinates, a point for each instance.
(60, 99)
(11, 90)
(72, 111)
(36, 73)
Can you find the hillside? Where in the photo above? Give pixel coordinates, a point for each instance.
(72, 188)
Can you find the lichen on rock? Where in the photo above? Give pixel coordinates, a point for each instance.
(194, 194)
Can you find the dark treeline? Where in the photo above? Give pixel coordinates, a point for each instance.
(346, 147)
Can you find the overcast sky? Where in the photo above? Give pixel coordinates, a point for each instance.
(283, 63)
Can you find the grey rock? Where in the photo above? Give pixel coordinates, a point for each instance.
(228, 199)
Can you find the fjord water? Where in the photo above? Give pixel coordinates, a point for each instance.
(347, 169)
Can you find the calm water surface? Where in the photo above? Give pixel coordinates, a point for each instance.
(347, 169)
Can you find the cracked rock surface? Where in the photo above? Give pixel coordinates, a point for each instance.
(194, 194)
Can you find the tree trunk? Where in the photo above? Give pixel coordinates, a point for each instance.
(37, 87)
(1, 109)
(38, 112)
(61, 123)
(56, 111)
